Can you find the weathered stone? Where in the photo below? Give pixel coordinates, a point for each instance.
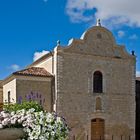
(11, 134)
(76, 100)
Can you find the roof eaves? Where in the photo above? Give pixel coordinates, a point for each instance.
(20, 74)
(7, 79)
(34, 71)
(40, 59)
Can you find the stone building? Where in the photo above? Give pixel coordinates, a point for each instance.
(30, 83)
(138, 108)
(91, 82)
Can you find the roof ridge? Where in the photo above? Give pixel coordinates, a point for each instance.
(34, 71)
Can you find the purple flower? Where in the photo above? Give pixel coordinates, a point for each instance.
(37, 94)
(32, 93)
(29, 98)
(34, 97)
(19, 100)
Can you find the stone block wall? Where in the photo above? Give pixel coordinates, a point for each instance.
(137, 109)
(38, 88)
(76, 100)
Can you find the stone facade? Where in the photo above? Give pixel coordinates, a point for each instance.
(109, 113)
(76, 101)
(137, 108)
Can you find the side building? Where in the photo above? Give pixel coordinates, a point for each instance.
(33, 83)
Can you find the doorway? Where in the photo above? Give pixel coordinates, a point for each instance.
(97, 129)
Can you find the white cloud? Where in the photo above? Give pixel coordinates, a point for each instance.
(109, 11)
(121, 34)
(14, 67)
(138, 74)
(134, 37)
(37, 55)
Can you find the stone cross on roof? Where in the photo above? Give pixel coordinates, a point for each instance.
(98, 22)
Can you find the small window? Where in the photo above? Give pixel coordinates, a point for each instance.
(9, 96)
(98, 103)
(97, 82)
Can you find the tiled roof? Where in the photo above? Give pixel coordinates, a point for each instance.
(34, 71)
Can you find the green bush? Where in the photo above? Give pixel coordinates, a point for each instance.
(24, 105)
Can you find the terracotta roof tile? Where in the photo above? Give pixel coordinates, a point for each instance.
(34, 71)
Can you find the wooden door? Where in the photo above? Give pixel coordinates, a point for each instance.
(97, 129)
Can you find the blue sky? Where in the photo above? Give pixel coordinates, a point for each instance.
(27, 27)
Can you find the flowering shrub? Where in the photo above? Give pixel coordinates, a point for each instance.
(13, 119)
(31, 100)
(36, 125)
(24, 105)
(45, 126)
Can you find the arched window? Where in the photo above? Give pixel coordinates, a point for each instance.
(97, 82)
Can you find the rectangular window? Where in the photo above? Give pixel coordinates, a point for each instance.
(9, 96)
